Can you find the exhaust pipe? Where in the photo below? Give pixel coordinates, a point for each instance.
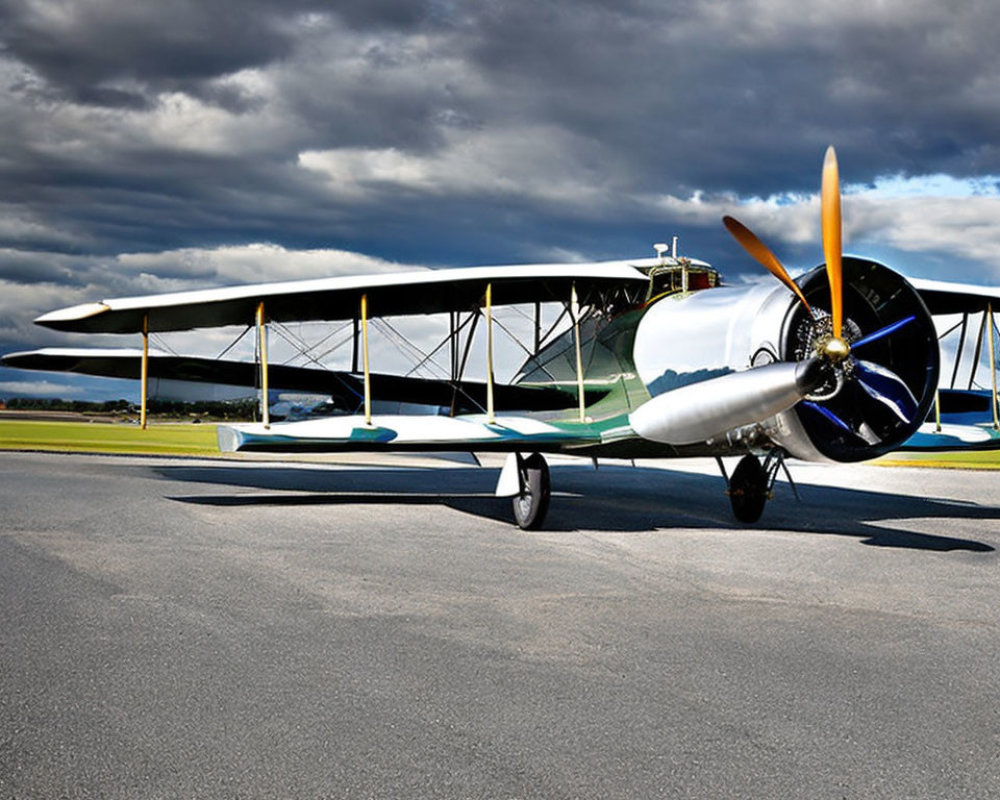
(700, 411)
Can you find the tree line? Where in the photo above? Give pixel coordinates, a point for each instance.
(236, 410)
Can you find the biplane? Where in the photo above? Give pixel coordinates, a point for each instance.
(647, 358)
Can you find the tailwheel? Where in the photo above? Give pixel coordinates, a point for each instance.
(531, 504)
(749, 489)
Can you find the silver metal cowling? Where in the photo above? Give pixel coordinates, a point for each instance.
(706, 358)
(684, 340)
(700, 411)
(721, 359)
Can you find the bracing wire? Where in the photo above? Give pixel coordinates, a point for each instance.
(236, 341)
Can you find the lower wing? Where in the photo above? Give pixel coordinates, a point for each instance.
(965, 422)
(505, 433)
(346, 388)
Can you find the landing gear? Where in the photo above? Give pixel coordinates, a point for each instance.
(751, 484)
(531, 504)
(749, 489)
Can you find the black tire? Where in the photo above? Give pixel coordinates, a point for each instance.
(748, 491)
(531, 506)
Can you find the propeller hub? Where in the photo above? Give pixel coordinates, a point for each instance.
(835, 349)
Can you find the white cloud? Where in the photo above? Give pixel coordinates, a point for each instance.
(252, 263)
(532, 163)
(793, 219)
(966, 228)
(182, 122)
(937, 185)
(41, 389)
(22, 225)
(19, 303)
(930, 215)
(128, 274)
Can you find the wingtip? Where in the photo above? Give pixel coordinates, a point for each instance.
(64, 318)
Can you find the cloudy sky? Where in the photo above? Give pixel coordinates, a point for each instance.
(155, 145)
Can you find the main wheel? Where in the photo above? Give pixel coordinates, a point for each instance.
(532, 504)
(748, 490)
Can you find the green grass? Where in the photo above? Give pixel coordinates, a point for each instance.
(186, 439)
(970, 459)
(96, 437)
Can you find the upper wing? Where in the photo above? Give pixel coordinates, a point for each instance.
(966, 416)
(425, 292)
(945, 297)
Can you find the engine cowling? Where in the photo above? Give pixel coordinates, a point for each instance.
(886, 386)
(709, 362)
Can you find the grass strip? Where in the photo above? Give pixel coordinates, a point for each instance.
(199, 440)
(96, 437)
(959, 459)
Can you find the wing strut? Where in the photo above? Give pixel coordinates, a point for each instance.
(144, 372)
(978, 351)
(490, 417)
(993, 366)
(538, 328)
(364, 347)
(265, 406)
(574, 307)
(453, 343)
(354, 355)
(961, 344)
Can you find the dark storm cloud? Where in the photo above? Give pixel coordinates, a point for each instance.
(81, 47)
(78, 47)
(447, 132)
(743, 95)
(27, 268)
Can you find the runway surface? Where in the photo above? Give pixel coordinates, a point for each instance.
(211, 629)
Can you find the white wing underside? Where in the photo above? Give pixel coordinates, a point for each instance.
(401, 432)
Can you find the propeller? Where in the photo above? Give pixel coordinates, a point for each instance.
(833, 347)
(760, 251)
(829, 343)
(836, 347)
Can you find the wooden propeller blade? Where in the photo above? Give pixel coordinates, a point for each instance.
(832, 233)
(761, 253)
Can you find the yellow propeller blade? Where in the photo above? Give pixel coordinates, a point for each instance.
(832, 233)
(761, 253)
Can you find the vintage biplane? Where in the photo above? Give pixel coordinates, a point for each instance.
(649, 358)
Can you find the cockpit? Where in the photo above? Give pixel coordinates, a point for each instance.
(674, 275)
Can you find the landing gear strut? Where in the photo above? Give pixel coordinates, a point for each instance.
(531, 504)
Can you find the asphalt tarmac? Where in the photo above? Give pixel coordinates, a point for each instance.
(212, 629)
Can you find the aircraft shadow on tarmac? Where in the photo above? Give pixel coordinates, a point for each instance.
(613, 498)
